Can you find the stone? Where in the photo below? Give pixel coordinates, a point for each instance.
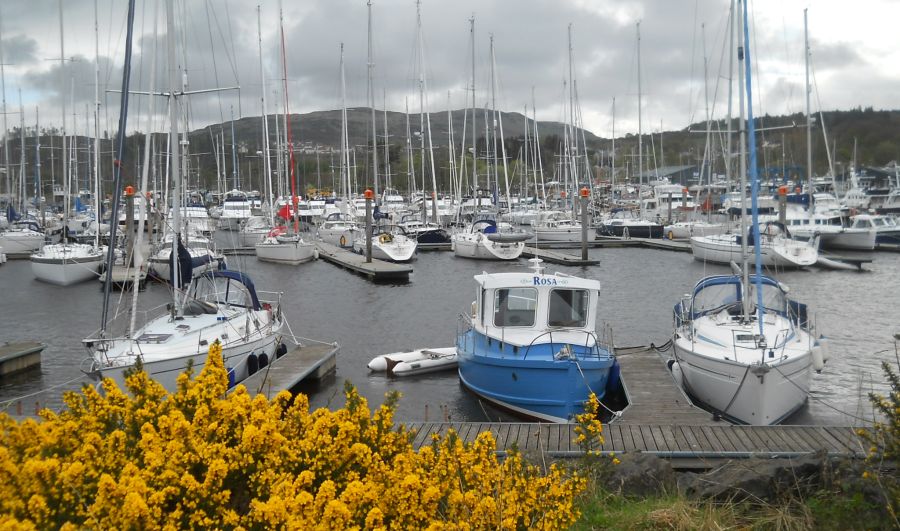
(640, 474)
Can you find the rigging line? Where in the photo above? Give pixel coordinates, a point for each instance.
(615, 414)
(821, 400)
(693, 58)
(737, 391)
(214, 64)
(6, 403)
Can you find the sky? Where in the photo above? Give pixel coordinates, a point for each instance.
(854, 57)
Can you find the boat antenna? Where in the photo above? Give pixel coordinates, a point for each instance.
(117, 169)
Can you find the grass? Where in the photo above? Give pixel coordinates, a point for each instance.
(825, 511)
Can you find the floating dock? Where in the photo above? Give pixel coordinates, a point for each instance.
(17, 357)
(556, 257)
(237, 251)
(302, 362)
(649, 243)
(375, 270)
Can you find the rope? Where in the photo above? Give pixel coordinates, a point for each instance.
(615, 414)
(7, 403)
(744, 379)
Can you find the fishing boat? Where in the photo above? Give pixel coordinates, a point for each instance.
(419, 361)
(529, 344)
(742, 348)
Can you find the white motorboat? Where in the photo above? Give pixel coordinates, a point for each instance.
(390, 246)
(829, 226)
(285, 249)
(197, 219)
(417, 361)
(21, 238)
(219, 306)
(338, 229)
(777, 248)
(887, 230)
(66, 263)
(481, 240)
(555, 226)
(235, 210)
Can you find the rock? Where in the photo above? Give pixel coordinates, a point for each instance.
(757, 479)
(640, 475)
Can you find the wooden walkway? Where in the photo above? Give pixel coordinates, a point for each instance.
(556, 257)
(653, 396)
(374, 270)
(300, 363)
(16, 357)
(649, 243)
(676, 441)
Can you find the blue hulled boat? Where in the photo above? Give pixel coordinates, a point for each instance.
(529, 344)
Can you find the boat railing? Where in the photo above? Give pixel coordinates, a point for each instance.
(592, 351)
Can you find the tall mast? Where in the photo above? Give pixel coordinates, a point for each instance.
(262, 78)
(612, 157)
(5, 128)
(706, 150)
(500, 121)
(730, 98)
(640, 124)
(96, 123)
(423, 103)
(370, 94)
(295, 201)
(387, 153)
(37, 168)
(809, 171)
(62, 83)
(539, 167)
(573, 166)
(743, 167)
(174, 147)
(345, 142)
(474, 145)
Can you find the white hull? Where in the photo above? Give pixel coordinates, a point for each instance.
(685, 230)
(415, 362)
(21, 241)
(570, 235)
(291, 252)
(400, 249)
(253, 237)
(337, 236)
(724, 249)
(232, 223)
(66, 264)
(758, 400)
(480, 247)
(851, 239)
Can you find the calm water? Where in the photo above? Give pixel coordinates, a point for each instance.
(858, 311)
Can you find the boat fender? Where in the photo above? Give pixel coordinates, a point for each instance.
(670, 235)
(252, 364)
(453, 246)
(677, 373)
(263, 360)
(315, 254)
(817, 361)
(474, 309)
(378, 363)
(826, 348)
(343, 240)
(280, 350)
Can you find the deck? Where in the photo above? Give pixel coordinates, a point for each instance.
(310, 361)
(375, 270)
(557, 257)
(16, 357)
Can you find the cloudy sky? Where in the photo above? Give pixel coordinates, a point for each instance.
(854, 56)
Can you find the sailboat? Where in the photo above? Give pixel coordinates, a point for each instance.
(277, 246)
(742, 347)
(65, 263)
(219, 306)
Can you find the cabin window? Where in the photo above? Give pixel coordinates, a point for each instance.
(568, 308)
(515, 306)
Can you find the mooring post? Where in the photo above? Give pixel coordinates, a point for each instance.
(585, 193)
(782, 204)
(369, 195)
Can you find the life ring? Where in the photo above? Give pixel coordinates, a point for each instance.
(343, 240)
(670, 235)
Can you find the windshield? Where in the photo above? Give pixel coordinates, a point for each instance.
(515, 306)
(220, 290)
(715, 296)
(568, 307)
(773, 298)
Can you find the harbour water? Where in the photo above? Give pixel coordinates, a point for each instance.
(856, 310)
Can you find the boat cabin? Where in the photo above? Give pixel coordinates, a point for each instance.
(722, 295)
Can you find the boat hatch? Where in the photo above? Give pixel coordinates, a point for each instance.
(745, 337)
(153, 338)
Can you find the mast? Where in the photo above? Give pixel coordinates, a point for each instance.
(370, 95)
(754, 176)
(423, 104)
(730, 98)
(174, 150)
(262, 77)
(573, 145)
(97, 123)
(345, 142)
(640, 124)
(612, 157)
(539, 167)
(62, 83)
(500, 122)
(295, 201)
(5, 127)
(809, 171)
(477, 200)
(743, 169)
(387, 153)
(39, 187)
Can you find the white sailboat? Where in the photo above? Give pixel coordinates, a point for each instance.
(277, 246)
(742, 348)
(218, 306)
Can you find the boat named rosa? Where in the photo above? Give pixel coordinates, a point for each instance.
(529, 344)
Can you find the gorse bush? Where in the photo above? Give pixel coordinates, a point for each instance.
(199, 458)
(884, 438)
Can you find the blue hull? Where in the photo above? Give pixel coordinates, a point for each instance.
(532, 383)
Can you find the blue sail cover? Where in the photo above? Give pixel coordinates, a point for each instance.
(11, 214)
(79, 206)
